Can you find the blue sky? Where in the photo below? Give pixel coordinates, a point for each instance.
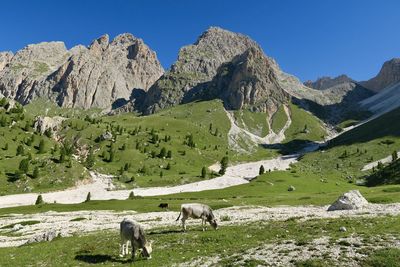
(307, 38)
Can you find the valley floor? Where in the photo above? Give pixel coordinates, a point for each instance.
(101, 186)
(80, 222)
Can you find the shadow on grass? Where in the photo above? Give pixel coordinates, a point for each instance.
(103, 258)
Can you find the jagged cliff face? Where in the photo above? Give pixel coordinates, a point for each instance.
(105, 73)
(196, 64)
(98, 76)
(23, 71)
(247, 82)
(387, 76)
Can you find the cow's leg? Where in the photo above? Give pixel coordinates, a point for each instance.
(202, 222)
(127, 248)
(183, 224)
(133, 251)
(121, 248)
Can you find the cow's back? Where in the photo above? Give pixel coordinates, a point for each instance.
(194, 210)
(127, 228)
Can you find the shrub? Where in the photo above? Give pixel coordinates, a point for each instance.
(168, 166)
(163, 153)
(35, 172)
(88, 196)
(20, 150)
(90, 159)
(224, 165)
(131, 195)
(204, 172)
(41, 148)
(262, 170)
(39, 200)
(24, 166)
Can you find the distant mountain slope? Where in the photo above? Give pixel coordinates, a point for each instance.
(328, 82)
(388, 75)
(386, 100)
(382, 126)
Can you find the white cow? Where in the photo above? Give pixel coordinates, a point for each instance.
(132, 232)
(197, 211)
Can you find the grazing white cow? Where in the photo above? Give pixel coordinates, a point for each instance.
(132, 232)
(197, 211)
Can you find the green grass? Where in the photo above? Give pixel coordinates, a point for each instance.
(172, 246)
(304, 126)
(254, 122)
(23, 223)
(387, 257)
(279, 119)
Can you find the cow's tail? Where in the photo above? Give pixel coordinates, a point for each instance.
(177, 219)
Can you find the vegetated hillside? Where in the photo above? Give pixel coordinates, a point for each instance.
(385, 125)
(389, 174)
(305, 126)
(30, 160)
(170, 147)
(254, 122)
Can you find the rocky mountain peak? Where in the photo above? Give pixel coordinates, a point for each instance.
(100, 43)
(197, 63)
(328, 82)
(388, 75)
(101, 75)
(106, 74)
(248, 81)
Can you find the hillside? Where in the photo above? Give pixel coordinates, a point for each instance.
(389, 174)
(386, 100)
(380, 127)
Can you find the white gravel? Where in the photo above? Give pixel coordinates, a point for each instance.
(108, 220)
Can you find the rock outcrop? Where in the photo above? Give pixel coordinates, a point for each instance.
(196, 64)
(42, 124)
(387, 76)
(328, 82)
(102, 75)
(351, 200)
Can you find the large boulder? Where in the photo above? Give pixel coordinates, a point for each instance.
(351, 200)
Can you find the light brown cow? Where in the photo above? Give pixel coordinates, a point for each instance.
(197, 211)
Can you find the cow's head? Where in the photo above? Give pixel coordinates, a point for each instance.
(214, 224)
(147, 249)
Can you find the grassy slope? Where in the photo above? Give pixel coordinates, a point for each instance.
(52, 176)
(254, 122)
(389, 174)
(305, 126)
(102, 248)
(384, 126)
(135, 149)
(278, 119)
